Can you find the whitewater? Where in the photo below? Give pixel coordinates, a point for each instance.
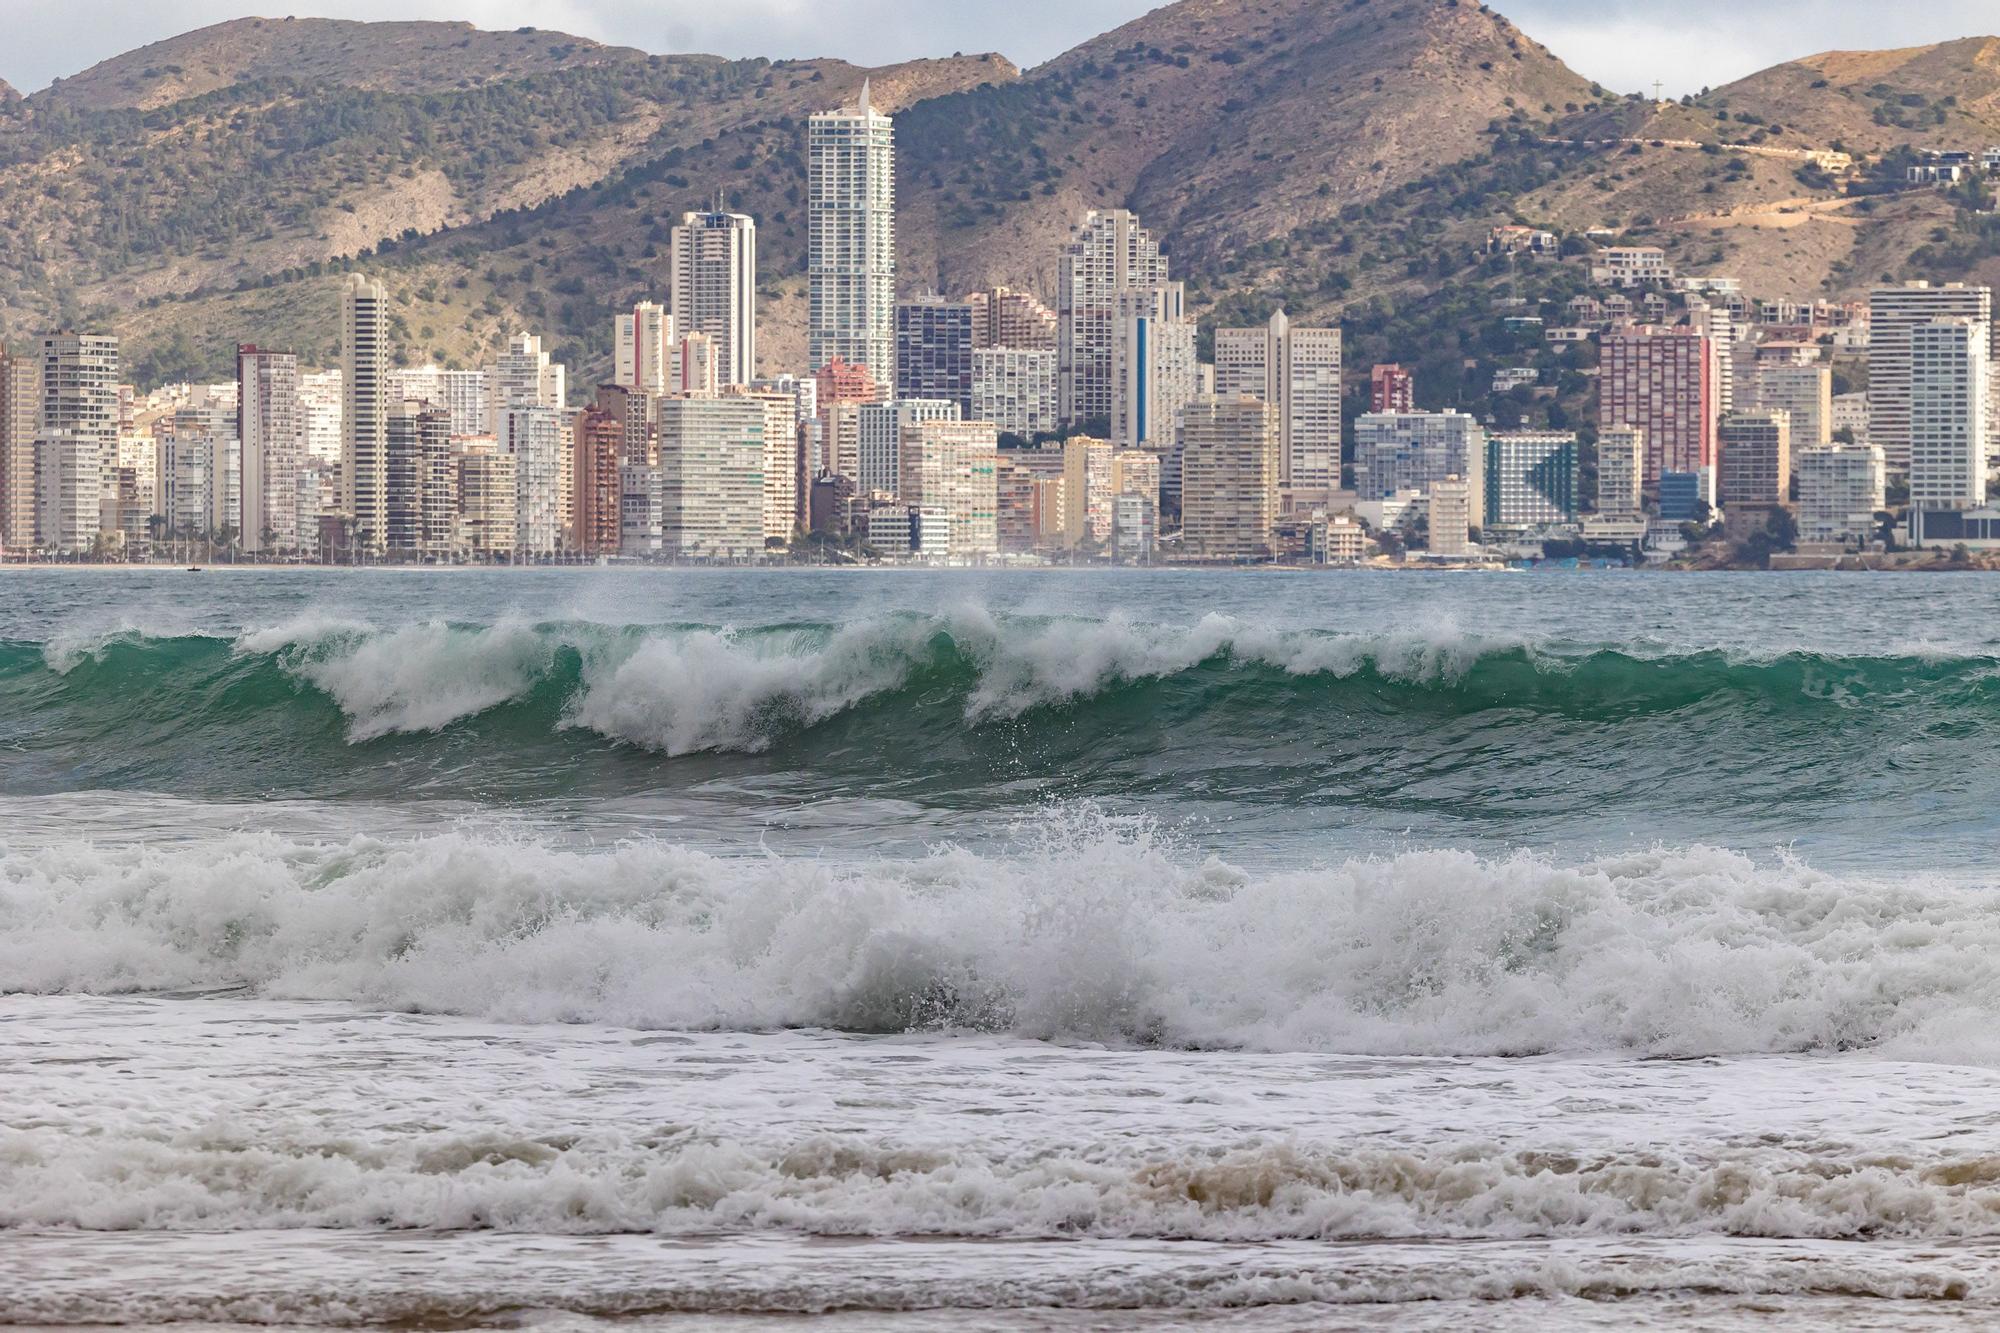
(951, 950)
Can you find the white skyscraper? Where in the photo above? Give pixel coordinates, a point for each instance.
(320, 433)
(1949, 402)
(532, 435)
(524, 376)
(714, 288)
(69, 465)
(851, 243)
(643, 348)
(710, 478)
(364, 409)
(1108, 254)
(1155, 372)
(1895, 314)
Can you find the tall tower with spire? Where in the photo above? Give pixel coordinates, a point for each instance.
(851, 245)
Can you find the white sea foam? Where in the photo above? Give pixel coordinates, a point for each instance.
(832, 1184)
(419, 677)
(1091, 932)
(713, 690)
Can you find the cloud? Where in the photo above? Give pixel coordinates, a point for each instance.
(1691, 44)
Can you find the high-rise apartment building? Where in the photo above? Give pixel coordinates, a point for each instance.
(1003, 317)
(879, 442)
(1029, 487)
(1397, 451)
(949, 468)
(634, 410)
(79, 413)
(1391, 389)
(69, 471)
(840, 425)
(20, 422)
(320, 434)
(1109, 253)
(465, 394)
(533, 436)
(1948, 405)
(1088, 497)
(806, 443)
(711, 478)
(487, 524)
(1895, 314)
(934, 342)
(423, 481)
(1841, 489)
(526, 376)
(1454, 507)
(1756, 462)
(701, 366)
(1662, 381)
(1297, 371)
(1803, 392)
(268, 427)
(598, 456)
(195, 469)
(851, 237)
(1135, 505)
(364, 410)
(643, 339)
(1015, 389)
(714, 288)
(1531, 479)
(1155, 371)
(781, 462)
(1621, 470)
(1229, 478)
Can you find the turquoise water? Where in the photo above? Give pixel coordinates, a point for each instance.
(1848, 718)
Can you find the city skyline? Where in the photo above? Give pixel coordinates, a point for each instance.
(1624, 44)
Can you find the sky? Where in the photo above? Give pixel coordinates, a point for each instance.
(1624, 44)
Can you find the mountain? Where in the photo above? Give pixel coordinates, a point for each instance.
(1876, 100)
(413, 58)
(1343, 158)
(7, 93)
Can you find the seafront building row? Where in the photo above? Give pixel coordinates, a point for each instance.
(994, 425)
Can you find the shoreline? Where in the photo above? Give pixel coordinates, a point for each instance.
(1808, 565)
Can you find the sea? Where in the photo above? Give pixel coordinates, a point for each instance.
(998, 950)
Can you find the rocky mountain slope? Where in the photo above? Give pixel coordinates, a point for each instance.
(1342, 157)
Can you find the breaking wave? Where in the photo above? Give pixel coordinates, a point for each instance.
(1092, 929)
(678, 690)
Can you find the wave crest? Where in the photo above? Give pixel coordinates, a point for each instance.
(684, 689)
